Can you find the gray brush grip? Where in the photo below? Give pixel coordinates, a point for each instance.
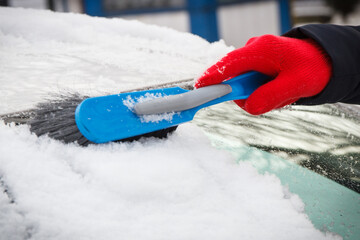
(181, 102)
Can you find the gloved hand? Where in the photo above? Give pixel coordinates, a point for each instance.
(299, 68)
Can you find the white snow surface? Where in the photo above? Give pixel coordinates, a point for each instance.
(44, 52)
(130, 103)
(177, 188)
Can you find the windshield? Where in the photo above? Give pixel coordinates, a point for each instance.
(325, 139)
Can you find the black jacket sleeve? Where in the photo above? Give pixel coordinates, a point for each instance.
(342, 43)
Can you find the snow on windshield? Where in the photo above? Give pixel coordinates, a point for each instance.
(176, 188)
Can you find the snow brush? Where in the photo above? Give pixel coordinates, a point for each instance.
(128, 116)
(125, 115)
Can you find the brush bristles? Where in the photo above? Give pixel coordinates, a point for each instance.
(56, 118)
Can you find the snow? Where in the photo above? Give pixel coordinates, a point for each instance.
(130, 103)
(62, 52)
(176, 188)
(179, 188)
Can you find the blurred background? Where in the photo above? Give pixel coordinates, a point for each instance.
(234, 21)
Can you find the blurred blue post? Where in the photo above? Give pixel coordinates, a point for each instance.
(285, 16)
(65, 5)
(93, 7)
(203, 20)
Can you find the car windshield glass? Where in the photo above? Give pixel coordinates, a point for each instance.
(325, 139)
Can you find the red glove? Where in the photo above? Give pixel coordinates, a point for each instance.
(299, 68)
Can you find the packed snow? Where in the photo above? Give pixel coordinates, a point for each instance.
(67, 52)
(130, 104)
(176, 188)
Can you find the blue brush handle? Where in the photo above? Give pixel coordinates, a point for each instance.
(242, 87)
(183, 101)
(239, 87)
